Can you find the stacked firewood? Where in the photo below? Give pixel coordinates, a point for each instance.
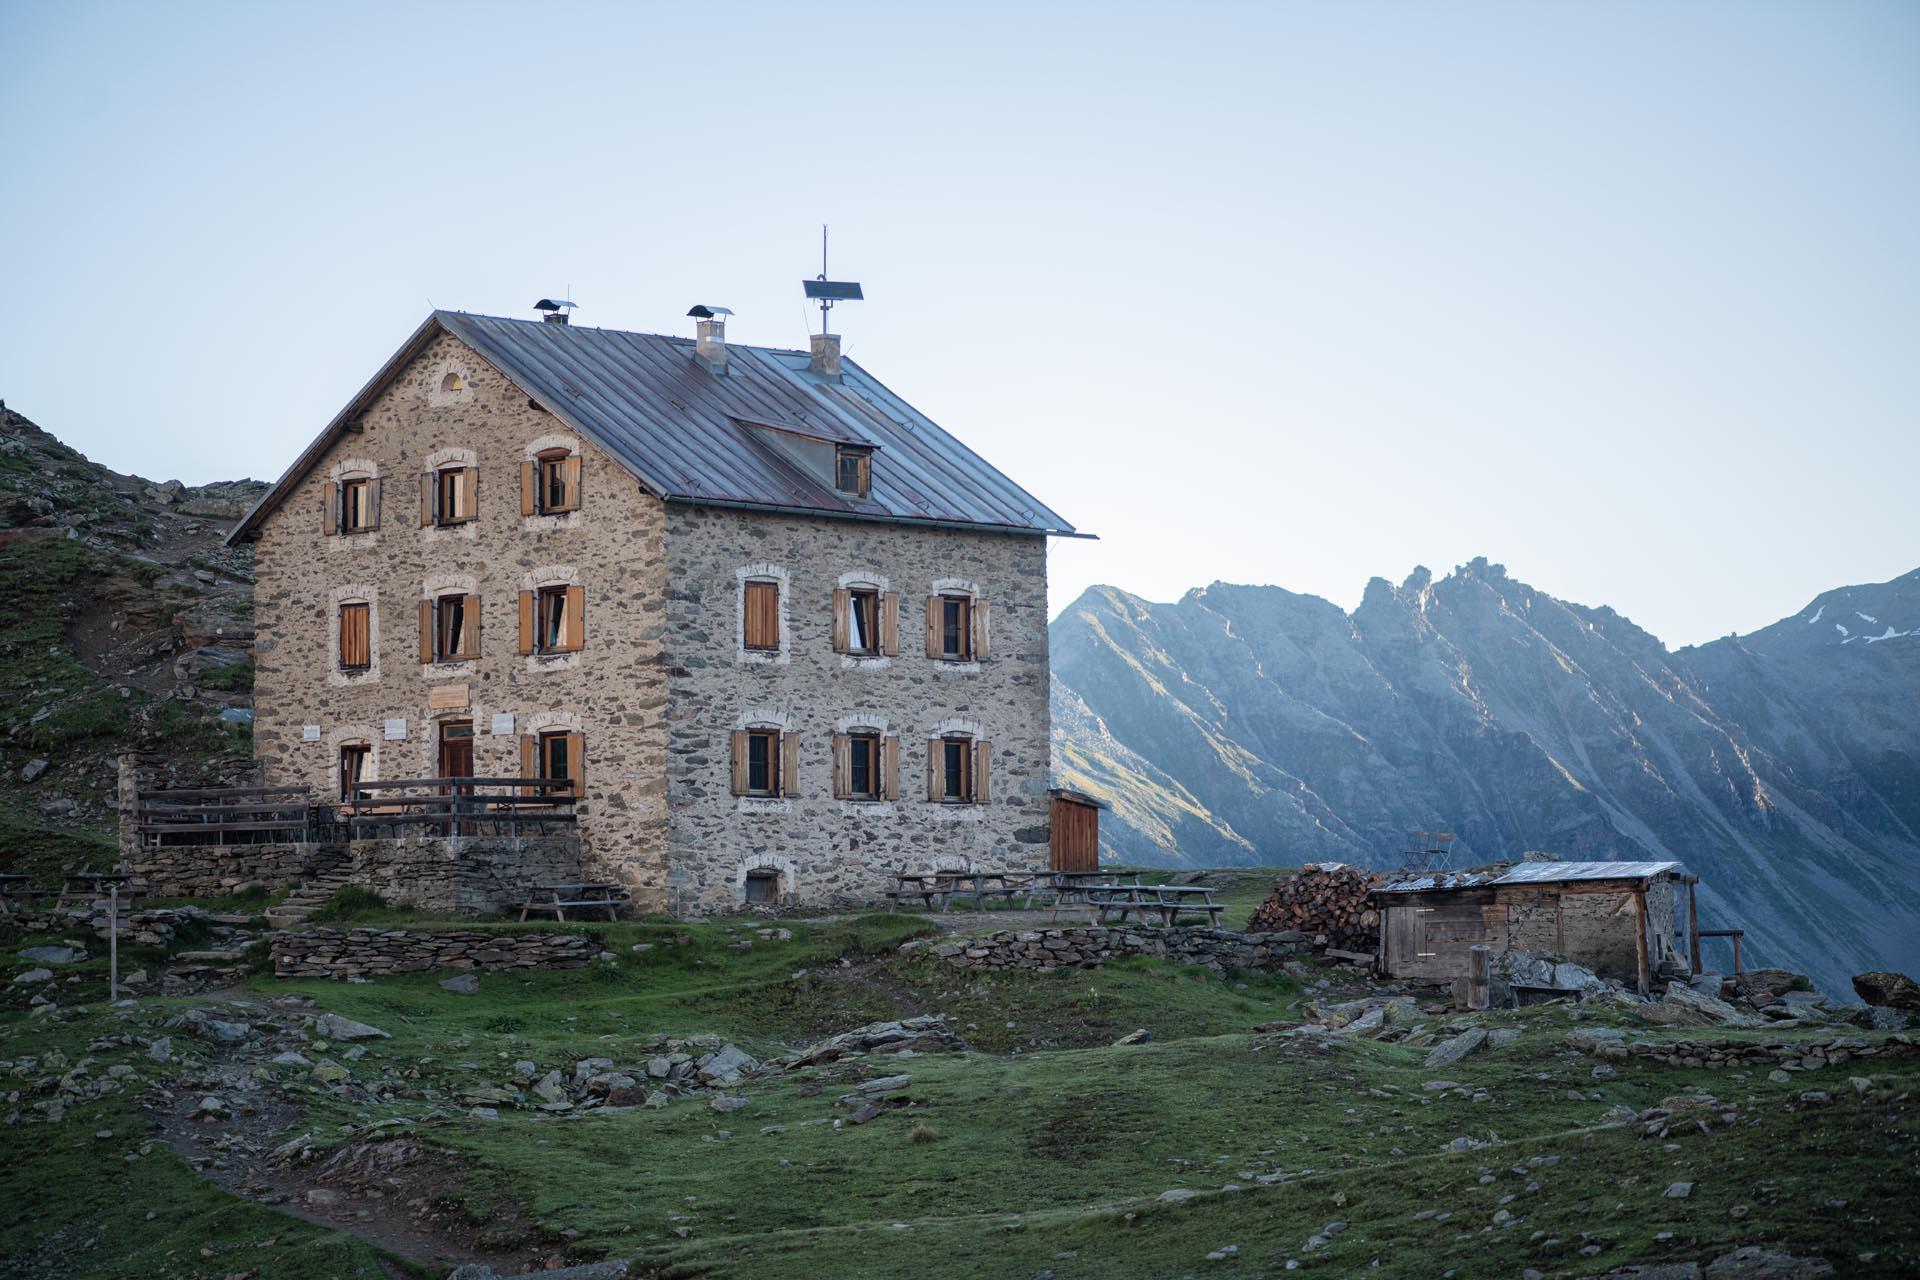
(1327, 901)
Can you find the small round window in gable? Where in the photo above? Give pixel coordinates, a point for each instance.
(453, 382)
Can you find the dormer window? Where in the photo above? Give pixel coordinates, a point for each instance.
(853, 472)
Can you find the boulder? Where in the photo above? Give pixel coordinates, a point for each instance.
(1770, 982)
(466, 984)
(726, 1065)
(53, 955)
(32, 976)
(1684, 1006)
(1888, 990)
(1451, 1051)
(331, 1026)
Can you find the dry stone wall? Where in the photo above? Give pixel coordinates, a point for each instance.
(213, 870)
(613, 547)
(827, 851)
(1084, 948)
(463, 875)
(356, 953)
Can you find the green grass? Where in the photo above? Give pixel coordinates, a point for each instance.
(1046, 1140)
(30, 847)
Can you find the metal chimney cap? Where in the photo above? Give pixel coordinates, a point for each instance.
(701, 311)
(551, 304)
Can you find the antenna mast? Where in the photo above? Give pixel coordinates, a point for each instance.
(829, 291)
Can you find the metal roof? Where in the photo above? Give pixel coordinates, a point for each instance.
(692, 435)
(1532, 873)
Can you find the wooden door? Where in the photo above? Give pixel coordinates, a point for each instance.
(1075, 835)
(456, 761)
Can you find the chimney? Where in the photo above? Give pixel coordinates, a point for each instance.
(825, 348)
(710, 336)
(551, 310)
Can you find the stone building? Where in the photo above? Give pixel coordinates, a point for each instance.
(779, 630)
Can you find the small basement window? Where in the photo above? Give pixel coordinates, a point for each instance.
(853, 471)
(763, 888)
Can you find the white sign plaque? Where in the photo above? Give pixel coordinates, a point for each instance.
(503, 723)
(396, 729)
(309, 733)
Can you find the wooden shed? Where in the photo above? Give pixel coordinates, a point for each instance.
(1075, 830)
(1615, 918)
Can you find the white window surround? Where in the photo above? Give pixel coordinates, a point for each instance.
(952, 862)
(862, 578)
(863, 723)
(444, 584)
(553, 440)
(550, 575)
(957, 587)
(452, 456)
(547, 720)
(788, 869)
(353, 593)
(439, 394)
(763, 657)
(765, 718)
(354, 469)
(956, 727)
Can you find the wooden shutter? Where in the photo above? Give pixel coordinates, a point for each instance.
(761, 623)
(935, 753)
(527, 473)
(373, 503)
(576, 620)
(470, 493)
(330, 508)
(739, 762)
(470, 642)
(529, 761)
(890, 624)
(576, 765)
(426, 631)
(863, 474)
(429, 487)
(890, 768)
(570, 472)
(789, 764)
(526, 623)
(933, 626)
(982, 766)
(979, 630)
(842, 619)
(842, 765)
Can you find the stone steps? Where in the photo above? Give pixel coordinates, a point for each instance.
(307, 899)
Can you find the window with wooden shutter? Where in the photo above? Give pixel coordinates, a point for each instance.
(950, 628)
(936, 784)
(356, 759)
(978, 650)
(559, 760)
(576, 638)
(359, 505)
(471, 606)
(842, 619)
(555, 482)
(890, 624)
(448, 496)
(528, 484)
(526, 624)
(765, 763)
(982, 768)
(429, 482)
(356, 637)
(863, 766)
(842, 750)
(529, 761)
(426, 631)
(737, 757)
(330, 508)
(560, 619)
(760, 622)
(952, 768)
(890, 768)
(789, 764)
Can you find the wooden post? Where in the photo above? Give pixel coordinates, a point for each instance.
(1479, 978)
(1693, 929)
(1736, 953)
(113, 943)
(1640, 940)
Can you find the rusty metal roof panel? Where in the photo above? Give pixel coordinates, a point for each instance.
(690, 434)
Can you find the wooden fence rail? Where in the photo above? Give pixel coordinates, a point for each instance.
(408, 806)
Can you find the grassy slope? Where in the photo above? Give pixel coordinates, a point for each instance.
(1049, 1141)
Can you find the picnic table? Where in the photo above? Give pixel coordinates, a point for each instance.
(1074, 886)
(946, 885)
(1167, 901)
(587, 896)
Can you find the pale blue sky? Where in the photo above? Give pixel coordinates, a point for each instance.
(1624, 295)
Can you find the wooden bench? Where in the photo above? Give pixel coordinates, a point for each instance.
(561, 898)
(1167, 901)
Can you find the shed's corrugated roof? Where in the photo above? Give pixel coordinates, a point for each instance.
(1532, 873)
(689, 434)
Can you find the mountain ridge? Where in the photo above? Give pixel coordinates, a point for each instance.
(1784, 767)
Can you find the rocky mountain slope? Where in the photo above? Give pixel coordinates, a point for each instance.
(1251, 724)
(128, 625)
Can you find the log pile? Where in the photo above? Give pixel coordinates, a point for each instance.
(1327, 901)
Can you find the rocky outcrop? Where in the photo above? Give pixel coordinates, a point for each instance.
(1888, 990)
(1251, 725)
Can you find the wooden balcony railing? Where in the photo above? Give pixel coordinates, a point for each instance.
(402, 807)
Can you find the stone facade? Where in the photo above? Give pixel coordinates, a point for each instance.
(613, 546)
(664, 677)
(355, 953)
(214, 870)
(1045, 950)
(828, 851)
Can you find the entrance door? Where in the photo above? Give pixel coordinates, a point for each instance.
(456, 761)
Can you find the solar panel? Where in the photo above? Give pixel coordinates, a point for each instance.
(834, 290)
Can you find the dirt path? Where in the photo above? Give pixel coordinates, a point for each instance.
(394, 1190)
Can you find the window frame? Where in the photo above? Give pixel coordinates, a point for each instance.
(450, 482)
(863, 615)
(956, 624)
(546, 743)
(349, 487)
(950, 744)
(861, 461)
(363, 751)
(365, 609)
(549, 614)
(443, 648)
(550, 467)
(748, 589)
(867, 743)
(769, 741)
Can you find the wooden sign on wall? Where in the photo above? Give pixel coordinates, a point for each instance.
(447, 697)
